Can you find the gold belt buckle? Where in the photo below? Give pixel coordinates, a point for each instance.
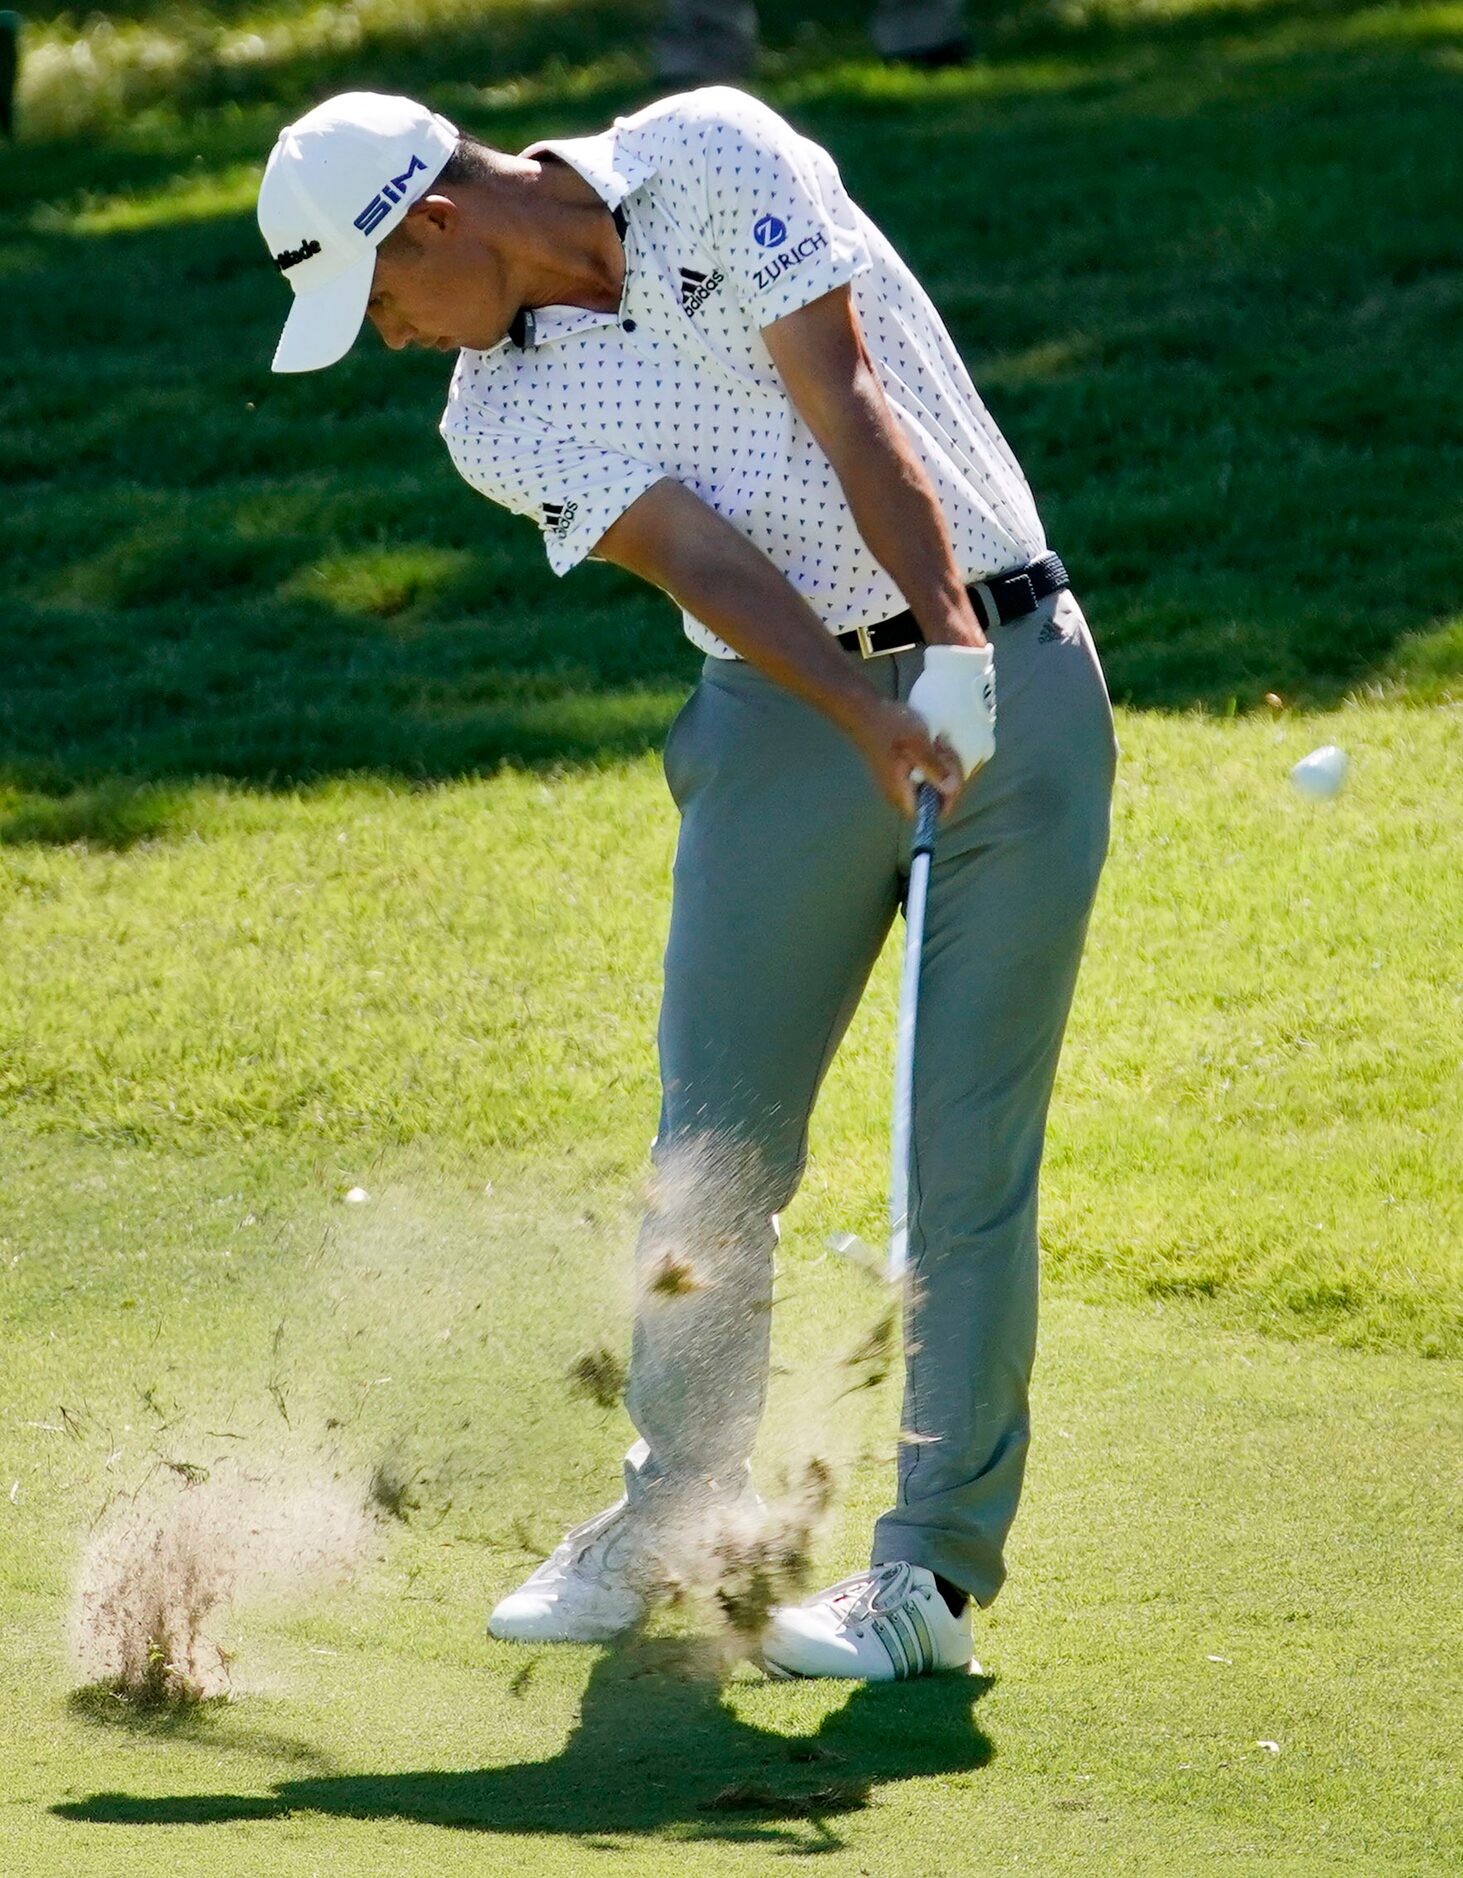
(865, 642)
(990, 612)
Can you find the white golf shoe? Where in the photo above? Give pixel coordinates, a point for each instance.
(582, 1593)
(881, 1625)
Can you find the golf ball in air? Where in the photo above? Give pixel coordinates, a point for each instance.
(1322, 772)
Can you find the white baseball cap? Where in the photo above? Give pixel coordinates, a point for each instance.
(336, 184)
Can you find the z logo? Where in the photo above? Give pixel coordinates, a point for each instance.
(768, 232)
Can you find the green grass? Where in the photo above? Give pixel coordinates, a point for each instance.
(1227, 1541)
(1257, 1081)
(446, 995)
(333, 853)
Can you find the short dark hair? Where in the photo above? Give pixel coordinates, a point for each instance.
(470, 162)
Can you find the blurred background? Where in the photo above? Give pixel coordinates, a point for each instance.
(1200, 255)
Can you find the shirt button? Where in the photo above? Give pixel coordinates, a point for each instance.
(629, 326)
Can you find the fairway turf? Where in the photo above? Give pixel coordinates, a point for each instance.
(1260, 1071)
(1176, 1515)
(334, 854)
(284, 1001)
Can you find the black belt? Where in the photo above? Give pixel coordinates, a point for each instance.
(999, 601)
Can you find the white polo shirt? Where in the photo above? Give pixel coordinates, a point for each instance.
(732, 220)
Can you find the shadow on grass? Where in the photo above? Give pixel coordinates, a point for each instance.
(656, 1750)
(212, 1722)
(114, 817)
(1222, 356)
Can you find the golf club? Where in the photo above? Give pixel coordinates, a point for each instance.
(849, 1245)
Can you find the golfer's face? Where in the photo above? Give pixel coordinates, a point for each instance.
(432, 291)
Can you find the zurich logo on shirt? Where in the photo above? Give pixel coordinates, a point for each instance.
(768, 232)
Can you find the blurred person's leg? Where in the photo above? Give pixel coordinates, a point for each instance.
(9, 70)
(703, 41)
(921, 32)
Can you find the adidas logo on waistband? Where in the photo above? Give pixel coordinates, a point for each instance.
(697, 289)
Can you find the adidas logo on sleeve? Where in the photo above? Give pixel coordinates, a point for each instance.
(559, 517)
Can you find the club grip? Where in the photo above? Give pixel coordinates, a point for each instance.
(926, 819)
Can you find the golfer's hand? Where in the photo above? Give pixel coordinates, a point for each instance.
(955, 694)
(897, 743)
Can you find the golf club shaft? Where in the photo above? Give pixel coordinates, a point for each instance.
(927, 814)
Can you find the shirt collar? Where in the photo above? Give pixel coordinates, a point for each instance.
(608, 161)
(613, 169)
(537, 326)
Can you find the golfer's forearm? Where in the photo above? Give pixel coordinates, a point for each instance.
(899, 516)
(731, 586)
(671, 538)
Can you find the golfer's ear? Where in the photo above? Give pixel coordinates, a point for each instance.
(438, 213)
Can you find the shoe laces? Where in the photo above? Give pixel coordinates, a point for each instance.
(600, 1547)
(870, 1592)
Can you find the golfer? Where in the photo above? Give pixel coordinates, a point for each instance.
(683, 349)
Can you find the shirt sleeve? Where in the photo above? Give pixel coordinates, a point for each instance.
(572, 490)
(779, 219)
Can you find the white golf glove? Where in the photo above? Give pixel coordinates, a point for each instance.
(956, 696)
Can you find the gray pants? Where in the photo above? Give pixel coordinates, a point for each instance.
(788, 876)
(702, 38)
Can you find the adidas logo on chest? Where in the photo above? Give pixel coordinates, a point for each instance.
(697, 288)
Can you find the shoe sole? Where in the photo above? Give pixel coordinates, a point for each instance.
(778, 1672)
(526, 1635)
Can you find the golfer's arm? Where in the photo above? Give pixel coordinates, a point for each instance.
(820, 353)
(671, 538)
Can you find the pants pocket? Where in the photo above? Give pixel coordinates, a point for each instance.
(674, 751)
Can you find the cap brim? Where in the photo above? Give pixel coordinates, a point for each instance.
(324, 321)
